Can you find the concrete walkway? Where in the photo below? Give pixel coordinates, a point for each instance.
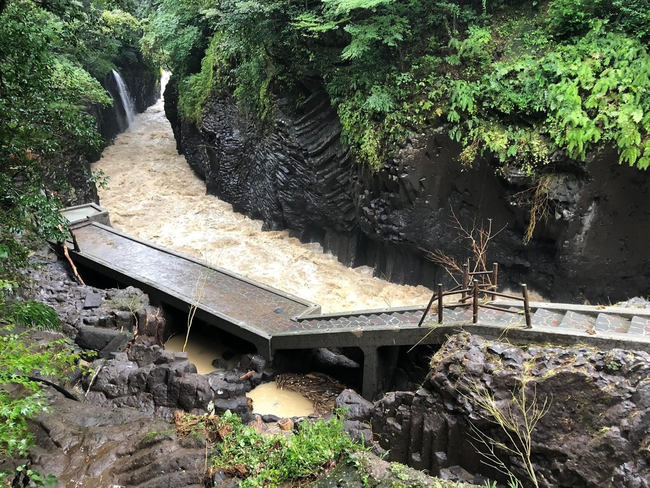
(273, 320)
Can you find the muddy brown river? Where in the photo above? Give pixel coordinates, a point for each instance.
(153, 194)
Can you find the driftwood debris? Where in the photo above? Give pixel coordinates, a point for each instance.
(74, 268)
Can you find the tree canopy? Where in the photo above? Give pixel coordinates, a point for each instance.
(53, 54)
(514, 79)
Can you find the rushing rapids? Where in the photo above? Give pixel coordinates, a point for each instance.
(154, 195)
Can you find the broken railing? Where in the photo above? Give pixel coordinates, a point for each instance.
(472, 292)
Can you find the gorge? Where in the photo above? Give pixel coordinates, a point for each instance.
(350, 152)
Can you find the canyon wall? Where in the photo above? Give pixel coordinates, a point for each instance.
(144, 87)
(296, 174)
(592, 431)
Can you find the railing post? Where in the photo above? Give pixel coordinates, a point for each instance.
(475, 303)
(465, 280)
(526, 306)
(495, 277)
(426, 310)
(440, 303)
(75, 244)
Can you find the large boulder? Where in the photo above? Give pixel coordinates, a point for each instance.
(593, 428)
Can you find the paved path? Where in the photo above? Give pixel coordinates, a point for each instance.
(274, 320)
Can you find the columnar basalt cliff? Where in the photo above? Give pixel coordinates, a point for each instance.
(297, 175)
(594, 434)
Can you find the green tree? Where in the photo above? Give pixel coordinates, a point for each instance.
(514, 81)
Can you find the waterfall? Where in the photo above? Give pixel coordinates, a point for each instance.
(127, 103)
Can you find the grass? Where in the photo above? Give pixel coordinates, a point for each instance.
(270, 460)
(31, 314)
(156, 434)
(517, 420)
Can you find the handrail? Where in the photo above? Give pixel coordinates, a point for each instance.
(472, 292)
(505, 295)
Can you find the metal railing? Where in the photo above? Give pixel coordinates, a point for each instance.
(473, 291)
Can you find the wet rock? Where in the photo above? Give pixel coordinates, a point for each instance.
(222, 480)
(359, 431)
(194, 391)
(285, 424)
(117, 344)
(123, 320)
(95, 338)
(356, 407)
(93, 300)
(239, 406)
(144, 355)
(220, 364)
(253, 362)
(596, 405)
(456, 473)
(225, 389)
(328, 358)
(165, 357)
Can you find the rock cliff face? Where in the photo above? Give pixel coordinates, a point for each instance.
(144, 87)
(594, 434)
(74, 167)
(297, 175)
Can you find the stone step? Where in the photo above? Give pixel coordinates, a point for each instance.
(579, 321)
(639, 325)
(547, 318)
(612, 323)
(457, 315)
(498, 317)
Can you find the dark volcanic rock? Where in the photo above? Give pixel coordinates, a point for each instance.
(95, 338)
(154, 380)
(596, 428)
(98, 446)
(299, 176)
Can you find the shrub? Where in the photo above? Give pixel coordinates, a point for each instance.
(34, 315)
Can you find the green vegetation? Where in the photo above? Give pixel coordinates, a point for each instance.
(52, 54)
(31, 314)
(514, 80)
(20, 357)
(20, 397)
(266, 460)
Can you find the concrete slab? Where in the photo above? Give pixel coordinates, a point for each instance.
(612, 323)
(86, 212)
(578, 321)
(639, 325)
(547, 318)
(250, 310)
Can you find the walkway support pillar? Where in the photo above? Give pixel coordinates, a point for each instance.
(371, 373)
(378, 368)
